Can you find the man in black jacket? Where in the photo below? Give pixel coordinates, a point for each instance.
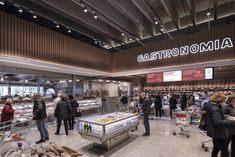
(145, 106)
(39, 114)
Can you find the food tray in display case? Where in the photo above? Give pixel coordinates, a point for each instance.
(88, 107)
(102, 129)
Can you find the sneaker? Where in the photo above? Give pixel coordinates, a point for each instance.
(145, 134)
(47, 138)
(40, 141)
(56, 133)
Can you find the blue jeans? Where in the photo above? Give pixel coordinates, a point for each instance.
(42, 129)
(146, 123)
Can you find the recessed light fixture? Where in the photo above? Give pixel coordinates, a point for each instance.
(57, 26)
(69, 31)
(48, 81)
(2, 3)
(26, 81)
(35, 16)
(162, 29)
(70, 80)
(2, 79)
(123, 34)
(208, 13)
(130, 39)
(95, 16)
(20, 10)
(156, 22)
(77, 80)
(96, 42)
(85, 10)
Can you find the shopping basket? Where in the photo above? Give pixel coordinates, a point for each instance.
(182, 122)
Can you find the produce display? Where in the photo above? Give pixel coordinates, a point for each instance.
(43, 150)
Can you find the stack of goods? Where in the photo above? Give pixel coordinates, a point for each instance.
(42, 150)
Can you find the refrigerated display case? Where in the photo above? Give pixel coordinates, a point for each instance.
(88, 107)
(108, 130)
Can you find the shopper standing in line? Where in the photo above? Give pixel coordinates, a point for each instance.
(183, 102)
(217, 126)
(62, 113)
(73, 105)
(158, 106)
(191, 101)
(173, 103)
(145, 106)
(230, 112)
(39, 115)
(7, 114)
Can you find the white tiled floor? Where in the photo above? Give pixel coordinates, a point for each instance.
(161, 142)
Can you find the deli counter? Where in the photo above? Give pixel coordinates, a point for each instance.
(108, 130)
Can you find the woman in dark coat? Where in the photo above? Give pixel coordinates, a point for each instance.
(183, 102)
(73, 111)
(158, 106)
(230, 112)
(62, 113)
(217, 126)
(173, 103)
(7, 114)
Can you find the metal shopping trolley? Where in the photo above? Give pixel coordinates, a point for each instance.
(204, 142)
(182, 122)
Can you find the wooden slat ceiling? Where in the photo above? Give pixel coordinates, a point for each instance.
(135, 18)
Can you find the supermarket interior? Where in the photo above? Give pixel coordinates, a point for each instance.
(114, 78)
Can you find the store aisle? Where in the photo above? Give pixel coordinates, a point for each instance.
(161, 143)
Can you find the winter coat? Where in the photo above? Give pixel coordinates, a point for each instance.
(7, 113)
(39, 109)
(173, 103)
(73, 107)
(230, 111)
(62, 110)
(217, 126)
(146, 105)
(158, 103)
(124, 100)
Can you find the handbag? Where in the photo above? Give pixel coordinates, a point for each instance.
(203, 121)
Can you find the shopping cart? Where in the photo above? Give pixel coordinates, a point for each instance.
(182, 122)
(204, 142)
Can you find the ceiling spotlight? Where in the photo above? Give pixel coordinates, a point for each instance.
(130, 39)
(34, 16)
(161, 29)
(85, 10)
(96, 42)
(69, 31)
(70, 80)
(2, 3)
(48, 81)
(77, 80)
(2, 79)
(57, 26)
(20, 10)
(95, 16)
(156, 22)
(26, 80)
(123, 34)
(208, 13)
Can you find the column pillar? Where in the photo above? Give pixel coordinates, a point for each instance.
(89, 88)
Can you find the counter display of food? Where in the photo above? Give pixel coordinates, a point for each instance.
(88, 107)
(108, 130)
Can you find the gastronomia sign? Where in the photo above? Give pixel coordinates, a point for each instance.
(186, 50)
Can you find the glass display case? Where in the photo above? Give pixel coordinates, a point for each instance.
(88, 107)
(103, 129)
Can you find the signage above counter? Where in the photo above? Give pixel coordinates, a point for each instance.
(185, 50)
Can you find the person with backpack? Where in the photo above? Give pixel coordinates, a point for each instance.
(230, 113)
(62, 113)
(73, 104)
(217, 126)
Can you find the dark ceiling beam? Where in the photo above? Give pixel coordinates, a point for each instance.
(86, 19)
(114, 16)
(215, 9)
(148, 12)
(131, 12)
(192, 10)
(170, 9)
(46, 12)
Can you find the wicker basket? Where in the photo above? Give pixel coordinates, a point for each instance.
(72, 152)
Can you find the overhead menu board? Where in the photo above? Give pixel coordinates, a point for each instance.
(171, 76)
(151, 78)
(194, 74)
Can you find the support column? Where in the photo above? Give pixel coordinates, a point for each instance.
(140, 82)
(74, 85)
(89, 88)
(9, 89)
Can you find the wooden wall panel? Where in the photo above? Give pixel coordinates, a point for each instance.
(127, 60)
(21, 38)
